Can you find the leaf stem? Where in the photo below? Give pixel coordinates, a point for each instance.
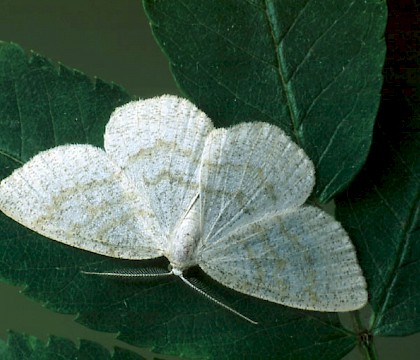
(368, 347)
(366, 343)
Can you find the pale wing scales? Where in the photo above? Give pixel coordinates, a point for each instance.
(76, 195)
(302, 258)
(158, 142)
(247, 171)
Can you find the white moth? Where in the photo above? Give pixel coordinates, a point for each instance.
(169, 184)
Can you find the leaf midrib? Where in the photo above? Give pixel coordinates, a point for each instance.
(288, 93)
(401, 254)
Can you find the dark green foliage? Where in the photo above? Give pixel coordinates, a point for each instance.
(23, 347)
(162, 314)
(318, 77)
(381, 209)
(311, 67)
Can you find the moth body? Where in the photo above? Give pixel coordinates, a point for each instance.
(184, 240)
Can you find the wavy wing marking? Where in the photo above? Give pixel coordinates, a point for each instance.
(302, 258)
(247, 171)
(76, 195)
(159, 142)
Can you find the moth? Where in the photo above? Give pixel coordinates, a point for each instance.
(167, 183)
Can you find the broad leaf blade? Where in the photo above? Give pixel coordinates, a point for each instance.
(162, 314)
(40, 109)
(381, 209)
(381, 212)
(311, 67)
(20, 347)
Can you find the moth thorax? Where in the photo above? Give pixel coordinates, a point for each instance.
(184, 240)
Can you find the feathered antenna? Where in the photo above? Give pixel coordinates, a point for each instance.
(155, 272)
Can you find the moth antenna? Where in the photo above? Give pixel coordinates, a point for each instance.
(130, 273)
(190, 284)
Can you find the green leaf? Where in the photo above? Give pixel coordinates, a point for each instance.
(381, 212)
(311, 67)
(21, 347)
(42, 106)
(381, 209)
